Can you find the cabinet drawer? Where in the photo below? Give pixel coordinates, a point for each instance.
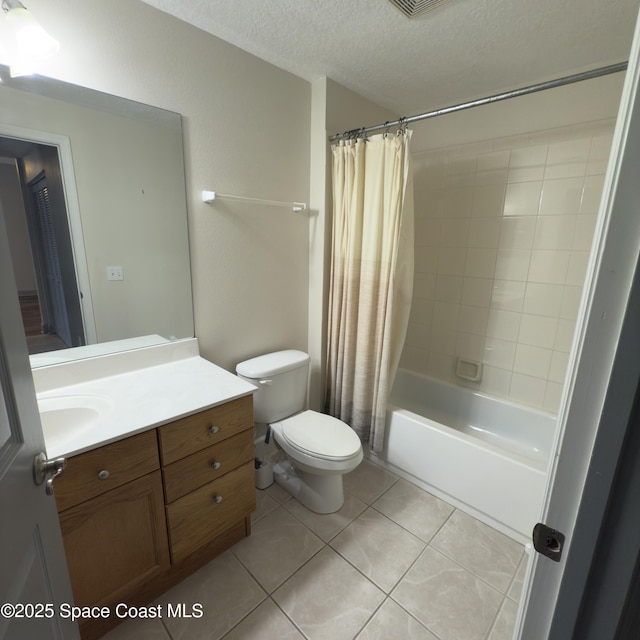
(193, 433)
(122, 461)
(204, 466)
(197, 518)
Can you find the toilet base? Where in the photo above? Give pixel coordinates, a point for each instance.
(318, 493)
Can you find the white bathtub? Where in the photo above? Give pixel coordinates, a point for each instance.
(486, 456)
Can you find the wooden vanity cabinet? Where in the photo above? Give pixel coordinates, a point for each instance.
(111, 507)
(142, 513)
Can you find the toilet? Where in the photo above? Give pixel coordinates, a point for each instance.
(316, 449)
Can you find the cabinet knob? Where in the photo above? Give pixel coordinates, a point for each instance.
(217, 499)
(103, 475)
(216, 465)
(213, 429)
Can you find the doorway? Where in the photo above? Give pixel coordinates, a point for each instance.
(33, 203)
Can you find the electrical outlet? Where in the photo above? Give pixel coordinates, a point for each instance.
(115, 273)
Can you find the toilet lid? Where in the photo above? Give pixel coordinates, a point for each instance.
(320, 435)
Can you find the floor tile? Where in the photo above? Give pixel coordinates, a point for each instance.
(327, 525)
(452, 589)
(226, 592)
(133, 629)
(392, 621)
(368, 481)
(378, 547)
(279, 544)
(485, 552)
(276, 492)
(447, 599)
(515, 590)
(414, 509)
(505, 622)
(267, 621)
(264, 505)
(328, 598)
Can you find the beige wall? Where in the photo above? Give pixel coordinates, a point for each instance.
(334, 109)
(506, 202)
(503, 236)
(129, 177)
(246, 132)
(577, 103)
(12, 207)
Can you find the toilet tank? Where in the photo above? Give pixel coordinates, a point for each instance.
(281, 378)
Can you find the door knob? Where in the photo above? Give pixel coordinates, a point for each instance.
(47, 471)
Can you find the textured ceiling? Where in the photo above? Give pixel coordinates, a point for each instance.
(463, 49)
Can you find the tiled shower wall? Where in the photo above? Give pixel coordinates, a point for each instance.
(503, 236)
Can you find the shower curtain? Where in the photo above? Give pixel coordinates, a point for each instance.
(371, 278)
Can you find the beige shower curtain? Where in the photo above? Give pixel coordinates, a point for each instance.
(371, 278)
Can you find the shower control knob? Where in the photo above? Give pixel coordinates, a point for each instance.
(216, 465)
(103, 475)
(213, 429)
(217, 499)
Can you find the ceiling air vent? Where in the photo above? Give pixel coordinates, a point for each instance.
(415, 8)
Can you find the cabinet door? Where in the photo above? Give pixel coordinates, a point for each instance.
(116, 542)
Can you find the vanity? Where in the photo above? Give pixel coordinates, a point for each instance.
(159, 477)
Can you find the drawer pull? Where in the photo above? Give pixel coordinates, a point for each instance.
(217, 499)
(103, 475)
(213, 429)
(216, 465)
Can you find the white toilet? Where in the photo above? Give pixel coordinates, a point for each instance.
(318, 449)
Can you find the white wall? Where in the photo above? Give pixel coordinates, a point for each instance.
(246, 132)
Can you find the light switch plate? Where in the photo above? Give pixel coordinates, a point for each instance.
(115, 273)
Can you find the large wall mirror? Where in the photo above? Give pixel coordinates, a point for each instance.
(92, 193)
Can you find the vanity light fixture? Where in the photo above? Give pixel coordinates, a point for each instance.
(34, 43)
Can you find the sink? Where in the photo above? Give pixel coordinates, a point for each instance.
(65, 416)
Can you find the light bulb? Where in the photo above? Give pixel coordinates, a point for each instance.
(33, 41)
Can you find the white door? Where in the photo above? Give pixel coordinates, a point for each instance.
(33, 573)
(550, 584)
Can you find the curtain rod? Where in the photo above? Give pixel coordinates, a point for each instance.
(550, 84)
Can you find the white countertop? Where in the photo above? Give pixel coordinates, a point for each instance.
(134, 398)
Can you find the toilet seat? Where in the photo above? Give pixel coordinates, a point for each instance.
(320, 436)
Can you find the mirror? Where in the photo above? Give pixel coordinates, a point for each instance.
(92, 191)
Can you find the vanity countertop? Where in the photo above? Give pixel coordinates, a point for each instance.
(129, 395)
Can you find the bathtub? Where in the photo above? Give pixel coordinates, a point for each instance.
(484, 455)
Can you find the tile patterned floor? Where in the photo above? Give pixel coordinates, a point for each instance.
(394, 562)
